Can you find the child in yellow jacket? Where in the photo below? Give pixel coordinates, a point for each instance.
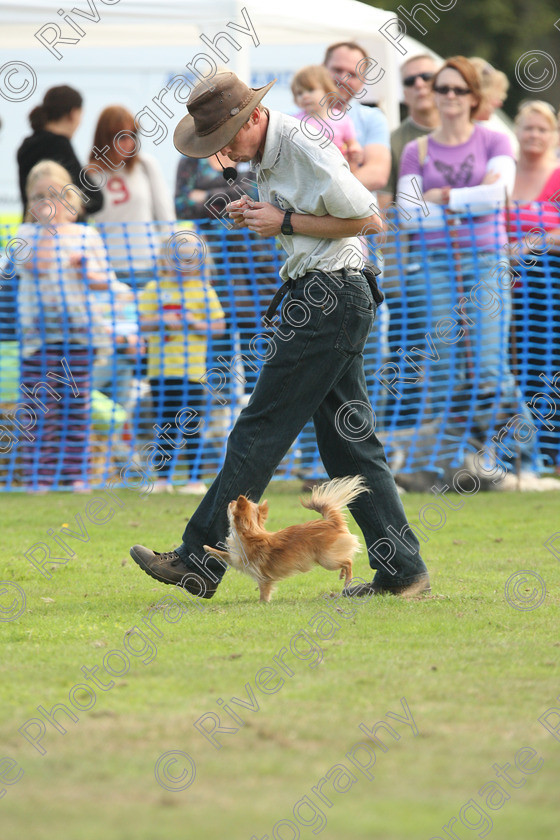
(178, 312)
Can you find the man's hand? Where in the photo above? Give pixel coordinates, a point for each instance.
(236, 210)
(266, 220)
(259, 216)
(263, 218)
(376, 166)
(354, 153)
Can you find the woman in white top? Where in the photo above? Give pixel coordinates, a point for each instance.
(135, 196)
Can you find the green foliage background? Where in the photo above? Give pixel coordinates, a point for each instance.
(500, 31)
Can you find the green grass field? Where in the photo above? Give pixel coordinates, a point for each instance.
(475, 672)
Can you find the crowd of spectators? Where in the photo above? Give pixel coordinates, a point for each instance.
(133, 321)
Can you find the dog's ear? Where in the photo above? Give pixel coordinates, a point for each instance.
(242, 502)
(263, 511)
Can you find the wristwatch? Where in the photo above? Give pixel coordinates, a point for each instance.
(287, 228)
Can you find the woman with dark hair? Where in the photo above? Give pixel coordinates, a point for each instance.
(135, 196)
(463, 171)
(54, 123)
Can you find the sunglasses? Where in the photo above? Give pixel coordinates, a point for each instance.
(408, 81)
(445, 89)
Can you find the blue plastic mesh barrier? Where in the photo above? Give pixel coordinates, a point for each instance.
(116, 369)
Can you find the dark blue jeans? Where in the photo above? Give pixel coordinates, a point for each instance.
(315, 371)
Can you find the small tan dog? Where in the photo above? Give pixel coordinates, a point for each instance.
(271, 556)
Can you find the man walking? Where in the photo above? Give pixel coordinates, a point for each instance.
(314, 369)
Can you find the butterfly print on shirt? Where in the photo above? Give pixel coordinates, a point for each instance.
(462, 177)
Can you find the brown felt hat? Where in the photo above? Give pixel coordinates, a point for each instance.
(215, 116)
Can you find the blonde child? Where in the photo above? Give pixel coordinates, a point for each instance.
(311, 87)
(177, 312)
(58, 320)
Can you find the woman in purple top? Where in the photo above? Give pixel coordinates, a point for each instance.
(463, 172)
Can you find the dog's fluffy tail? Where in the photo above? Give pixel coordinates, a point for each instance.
(329, 499)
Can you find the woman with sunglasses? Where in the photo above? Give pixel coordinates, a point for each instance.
(534, 228)
(463, 171)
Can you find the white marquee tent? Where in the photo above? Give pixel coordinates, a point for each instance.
(131, 48)
(126, 51)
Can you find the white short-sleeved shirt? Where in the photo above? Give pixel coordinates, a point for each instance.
(295, 173)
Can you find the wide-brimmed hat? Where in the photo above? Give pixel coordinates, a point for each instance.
(215, 116)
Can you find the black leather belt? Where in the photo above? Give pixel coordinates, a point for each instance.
(279, 296)
(369, 271)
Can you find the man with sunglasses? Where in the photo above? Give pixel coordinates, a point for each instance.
(416, 74)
